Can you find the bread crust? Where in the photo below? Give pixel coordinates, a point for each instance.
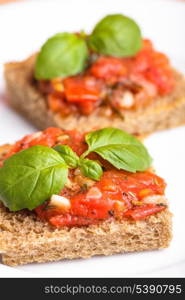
(166, 112)
(24, 238)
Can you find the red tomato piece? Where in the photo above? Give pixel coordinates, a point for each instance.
(45, 138)
(146, 75)
(80, 89)
(117, 193)
(162, 78)
(91, 208)
(143, 211)
(114, 195)
(87, 107)
(58, 104)
(70, 220)
(153, 66)
(108, 68)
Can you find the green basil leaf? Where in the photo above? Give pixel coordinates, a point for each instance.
(129, 157)
(121, 149)
(31, 176)
(116, 35)
(91, 169)
(109, 135)
(62, 55)
(69, 156)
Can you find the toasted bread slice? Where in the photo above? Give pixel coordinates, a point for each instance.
(25, 239)
(165, 112)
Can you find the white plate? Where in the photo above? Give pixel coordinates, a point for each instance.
(24, 27)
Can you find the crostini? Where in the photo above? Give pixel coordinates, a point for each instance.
(68, 195)
(108, 78)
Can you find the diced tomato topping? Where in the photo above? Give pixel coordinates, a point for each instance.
(108, 68)
(75, 140)
(148, 64)
(117, 194)
(58, 104)
(143, 211)
(84, 91)
(87, 107)
(136, 214)
(107, 78)
(55, 102)
(70, 220)
(49, 137)
(80, 89)
(45, 138)
(153, 66)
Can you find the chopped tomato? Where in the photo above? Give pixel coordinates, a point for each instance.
(91, 207)
(57, 103)
(84, 91)
(153, 66)
(133, 183)
(108, 68)
(145, 76)
(75, 140)
(148, 184)
(117, 194)
(143, 211)
(50, 137)
(80, 89)
(148, 64)
(87, 107)
(70, 220)
(45, 138)
(162, 78)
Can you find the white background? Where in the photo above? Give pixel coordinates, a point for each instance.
(23, 28)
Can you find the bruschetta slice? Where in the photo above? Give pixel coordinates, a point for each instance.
(68, 195)
(108, 78)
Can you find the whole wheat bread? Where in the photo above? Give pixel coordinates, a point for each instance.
(25, 97)
(25, 239)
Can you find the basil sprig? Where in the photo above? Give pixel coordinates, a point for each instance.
(116, 35)
(62, 55)
(66, 54)
(31, 176)
(89, 168)
(119, 148)
(69, 156)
